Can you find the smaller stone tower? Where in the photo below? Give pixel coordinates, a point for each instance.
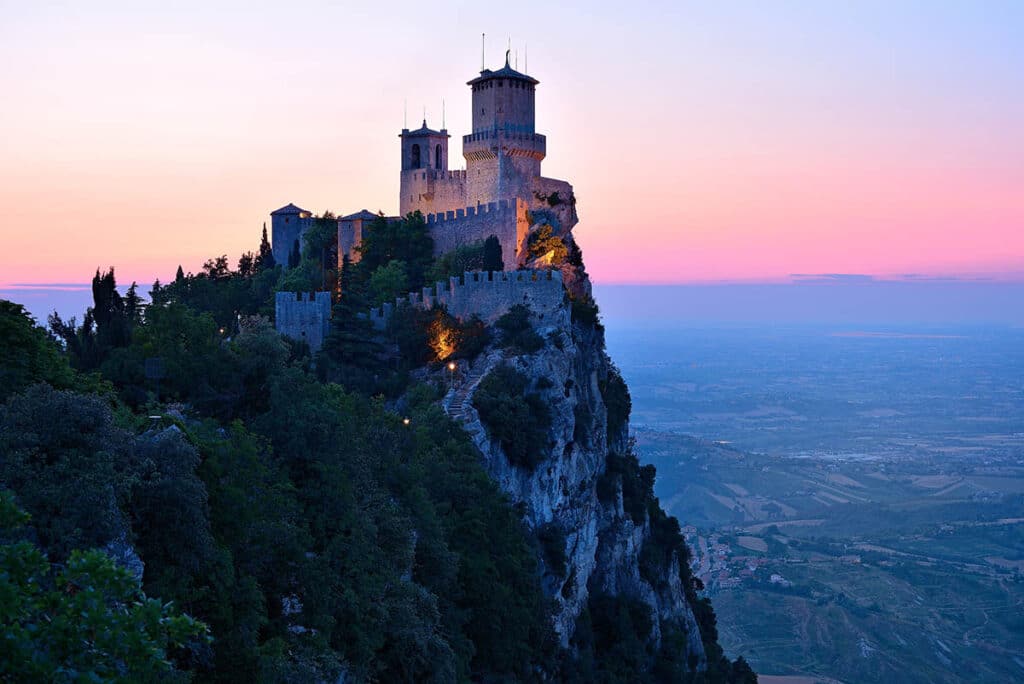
(424, 162)
(288, 224)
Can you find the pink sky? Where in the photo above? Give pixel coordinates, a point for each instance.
(736, 142)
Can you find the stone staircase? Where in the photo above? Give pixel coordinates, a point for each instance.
(458, 402)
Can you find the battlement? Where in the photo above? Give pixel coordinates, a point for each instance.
(509, 134)
(487, 294)
(303, 316)
(470, 212)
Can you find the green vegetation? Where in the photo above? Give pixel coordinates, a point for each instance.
(484, 255)
(543, 242)
(517, 331)
(616, 400)
(292, 518)
(516, 417)
(85, 619)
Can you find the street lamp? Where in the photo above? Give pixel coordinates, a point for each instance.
(451, 373)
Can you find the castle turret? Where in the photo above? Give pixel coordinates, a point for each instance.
(427, 185)
(287, 227)
(504, 151)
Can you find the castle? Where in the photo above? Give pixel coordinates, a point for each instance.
(501, 192)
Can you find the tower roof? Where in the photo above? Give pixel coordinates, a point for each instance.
(423, 132)
(289, 209)
(504, 72)
(363, 215)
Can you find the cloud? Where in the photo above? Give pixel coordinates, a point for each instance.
(832, 278)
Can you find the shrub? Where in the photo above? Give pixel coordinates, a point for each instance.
(519, 420)
(617, 400)
(517, 331)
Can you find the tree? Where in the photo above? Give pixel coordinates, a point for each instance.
(265, 258)
(544, 244)
(217, 269)
(28, 354)
(179, 276)
(387, 282)
(86, 620)
(246, 264)
(492, 255)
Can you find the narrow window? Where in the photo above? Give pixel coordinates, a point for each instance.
(437, 157)
(415, 156)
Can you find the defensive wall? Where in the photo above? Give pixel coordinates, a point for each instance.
(432, 191)
(488, 294)
(303, 316)
(505, 219)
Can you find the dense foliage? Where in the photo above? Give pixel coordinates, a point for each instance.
(516, 417)
(321, 517)
(85, 619)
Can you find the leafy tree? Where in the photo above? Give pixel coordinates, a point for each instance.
(543, 243)
(406, 240)
(28, 354)
(69, 465)
(456, 262)
(85, 620)
(388, 281)
(179, 276)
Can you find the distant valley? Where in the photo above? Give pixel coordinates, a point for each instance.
(855, 503)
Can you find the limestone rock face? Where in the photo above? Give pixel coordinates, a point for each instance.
(602, 543)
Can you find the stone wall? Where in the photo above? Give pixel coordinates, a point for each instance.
(432, 191)
(303, 316)
(504, 219)
(489, 294)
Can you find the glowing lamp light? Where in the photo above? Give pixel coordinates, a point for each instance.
(451, 366)
(406, 421)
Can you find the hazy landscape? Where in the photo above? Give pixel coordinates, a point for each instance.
(854, 496)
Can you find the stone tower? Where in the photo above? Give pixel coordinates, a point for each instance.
(288, 224)
(504, 151)
(426, 182)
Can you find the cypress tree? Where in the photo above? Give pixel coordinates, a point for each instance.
(265, 259)
(180, 275)
(492, 255)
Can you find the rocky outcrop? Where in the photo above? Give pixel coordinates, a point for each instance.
(602, 543)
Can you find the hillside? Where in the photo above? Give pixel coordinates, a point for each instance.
(439, 500)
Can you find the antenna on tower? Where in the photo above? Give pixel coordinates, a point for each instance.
(443, 123)
(483, 50)
(405, 113)
(526, 59)
(424, 115)
(517, 59)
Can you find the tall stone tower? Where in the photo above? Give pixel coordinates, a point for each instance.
(504, 151)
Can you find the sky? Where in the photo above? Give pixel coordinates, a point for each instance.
(707, 142)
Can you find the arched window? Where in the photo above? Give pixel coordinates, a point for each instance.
(437, 158)
(415, 156)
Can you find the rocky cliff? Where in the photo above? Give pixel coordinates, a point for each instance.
(581, 497)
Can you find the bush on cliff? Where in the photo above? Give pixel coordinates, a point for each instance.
(517, 331)
(516, 418)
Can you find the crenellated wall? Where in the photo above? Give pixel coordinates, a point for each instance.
(505, 219)
(488, 294)
(303, 316)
